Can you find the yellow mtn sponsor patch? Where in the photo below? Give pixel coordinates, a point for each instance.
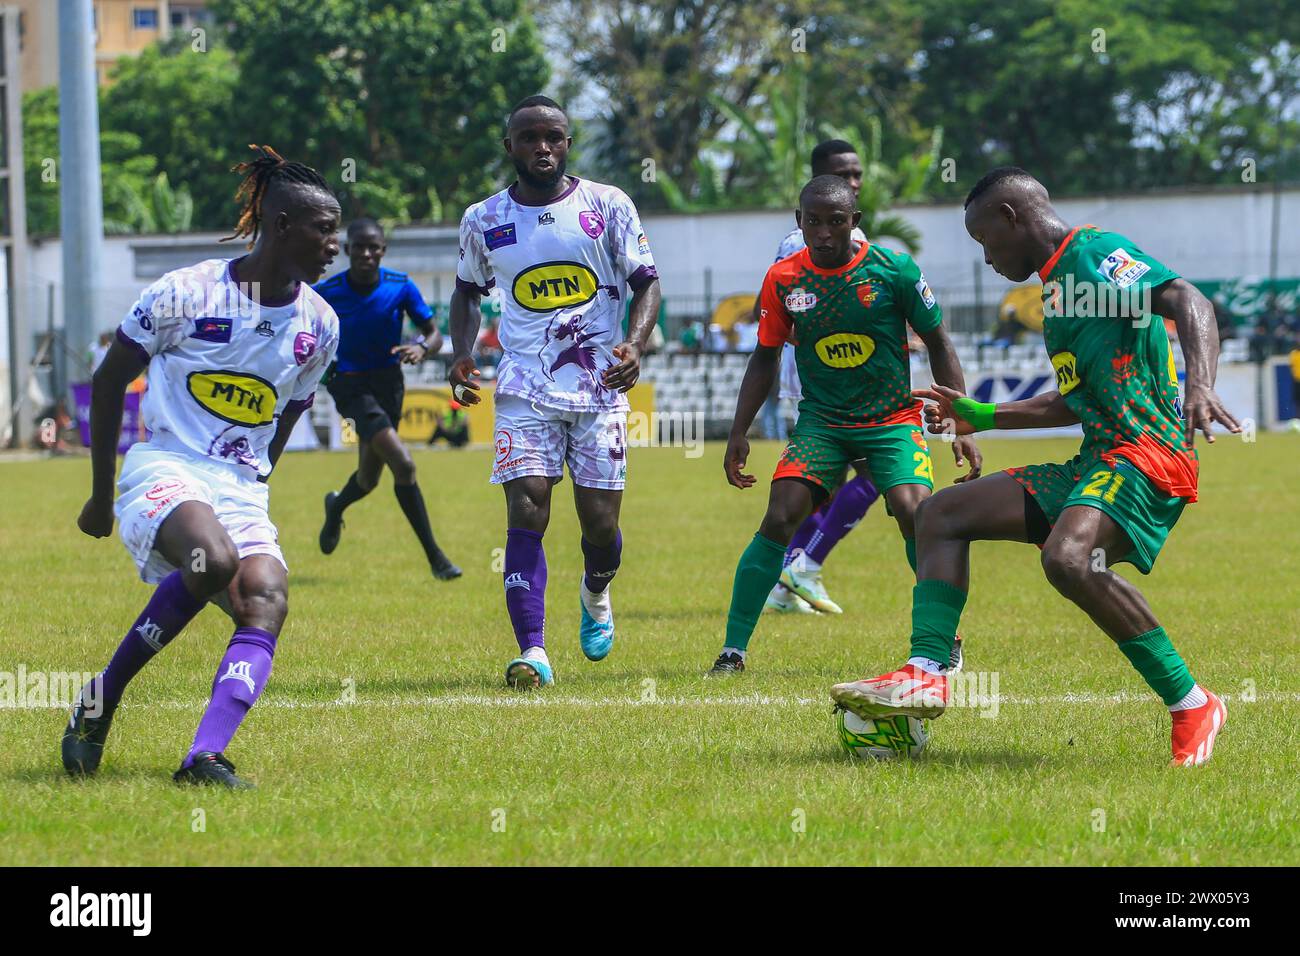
(554, 285)
(234, 397)
(1067, 372)
(845, 349)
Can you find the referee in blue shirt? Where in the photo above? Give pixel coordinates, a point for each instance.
(367, 383)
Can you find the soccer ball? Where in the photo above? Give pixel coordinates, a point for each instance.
(882, 739)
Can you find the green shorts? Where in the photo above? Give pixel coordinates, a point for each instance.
(821, 454)
(1123, 493)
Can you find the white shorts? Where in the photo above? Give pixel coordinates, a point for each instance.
(154, 482)
(532, 440)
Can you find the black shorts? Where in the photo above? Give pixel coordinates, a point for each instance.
(372, 400)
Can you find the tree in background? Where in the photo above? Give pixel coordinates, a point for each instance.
(1119, 96)
(127, 172)
(183, 106)
(400, 103)
(761, 160)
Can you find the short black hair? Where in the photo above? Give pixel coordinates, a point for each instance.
(992, 178)
(364, 222)
(537, 99)
(822, 152)
(830, 188)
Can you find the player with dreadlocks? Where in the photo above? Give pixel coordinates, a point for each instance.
(234, 350)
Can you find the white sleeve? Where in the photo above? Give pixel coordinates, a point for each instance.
(309, 376)
(629, 246)
(159, 319)
(473, 270)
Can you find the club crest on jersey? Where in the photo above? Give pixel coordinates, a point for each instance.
(498, 236)
(1121, 269)
(845, 349)
(800, 301)
(548, 286)
(304, 347)
(592, 222)
(1067, 372)
(867, 294)
(211, 329)
(923, 290)
(234, 397)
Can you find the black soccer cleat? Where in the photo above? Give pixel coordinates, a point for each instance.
(333, 527)
(444, 569)
(955, 661)
(211, 769)
(726, 665)
(84, 739)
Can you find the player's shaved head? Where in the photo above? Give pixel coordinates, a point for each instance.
(532, 104)
(830, 191)
(1010, 214)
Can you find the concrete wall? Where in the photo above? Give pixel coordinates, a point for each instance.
(1218, 234)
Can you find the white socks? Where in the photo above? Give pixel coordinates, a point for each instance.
(596, 602)
(1195, 698)
(927, 665)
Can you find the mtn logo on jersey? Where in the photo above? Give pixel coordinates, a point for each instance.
(554, 285)
(923, 290)
(234, 397)
(800, 301)
(845, 349)
(1067, 372)
(1122, 269)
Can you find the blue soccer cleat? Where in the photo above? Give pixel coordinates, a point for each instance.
(597, 639)
(524, 673)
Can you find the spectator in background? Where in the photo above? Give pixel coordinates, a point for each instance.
(693, 338)
(1007, 332)
(487, 350)
(453, 426)
(770, 418)
(1295, 376)
(1261, 342)
(99, 350)
(746, 332)
(718, 341)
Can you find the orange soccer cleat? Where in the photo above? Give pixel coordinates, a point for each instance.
(909, 691)
(1194, 731)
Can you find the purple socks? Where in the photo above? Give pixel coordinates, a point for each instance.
(165, 616)
(840, 516)
(802, 535)
(601, 562)
(237, 685)
(525, 581)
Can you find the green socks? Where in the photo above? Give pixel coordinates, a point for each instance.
(756, 575)
(1159, 664)
(936, 609)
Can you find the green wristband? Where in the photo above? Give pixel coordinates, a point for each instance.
(979, 414)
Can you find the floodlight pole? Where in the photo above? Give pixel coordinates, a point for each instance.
(81, 205)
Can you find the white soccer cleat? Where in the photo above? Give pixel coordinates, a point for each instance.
(784, 601)
(808, 585)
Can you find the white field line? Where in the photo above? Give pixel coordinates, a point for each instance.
(741, 700)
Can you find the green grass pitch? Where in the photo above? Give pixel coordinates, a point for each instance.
(638, 759)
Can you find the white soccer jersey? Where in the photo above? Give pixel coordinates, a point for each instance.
(222, 367)
(564, 269)
(791, 387)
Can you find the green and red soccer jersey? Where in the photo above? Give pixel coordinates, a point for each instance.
(1113, 361)
(849, 330)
